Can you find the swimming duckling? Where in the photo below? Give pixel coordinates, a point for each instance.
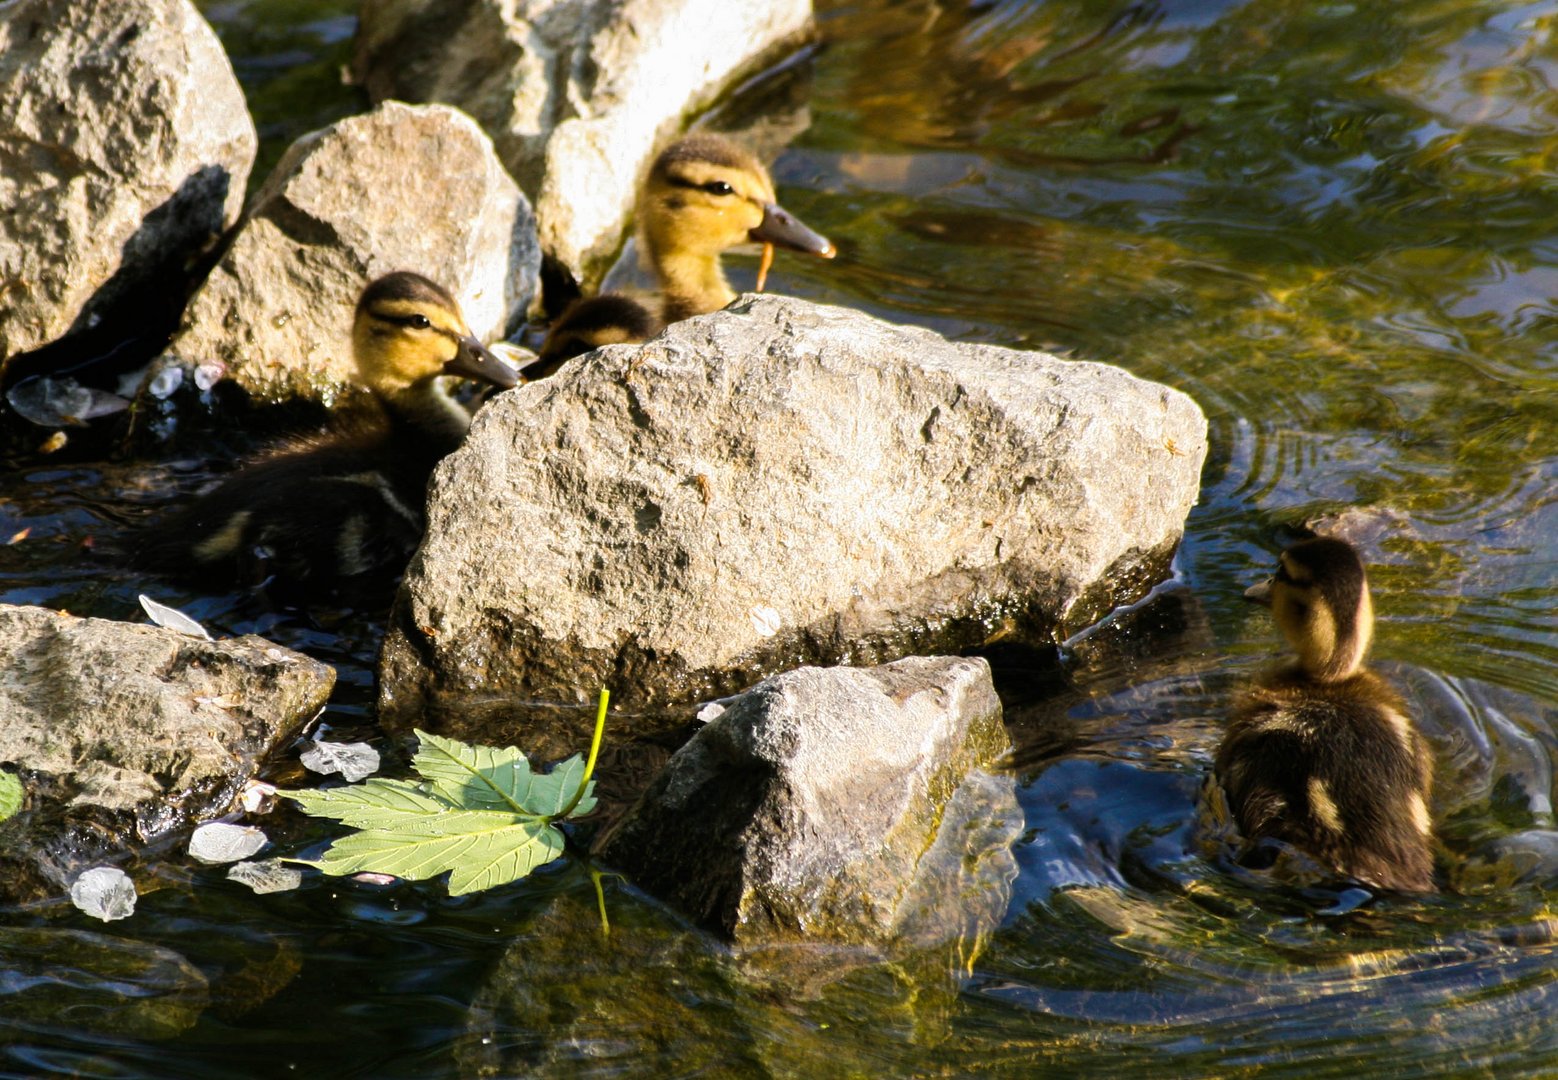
(703, 195)
(346, 508)
(1321, 754)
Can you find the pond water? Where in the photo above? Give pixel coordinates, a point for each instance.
(1332, 225)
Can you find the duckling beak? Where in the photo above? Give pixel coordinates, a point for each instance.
(475, 361)
(784, 229)
(1260, 593)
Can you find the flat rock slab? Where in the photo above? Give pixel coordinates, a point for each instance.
(124, 733)
(576, 94)
(401, 188)
(778, 484)
(808, 809)
(125, 145)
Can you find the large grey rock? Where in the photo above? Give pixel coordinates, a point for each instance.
(576, 93)
(808, 810)
(124, 733)
(401, 188)
(776, 484)
(125, 146)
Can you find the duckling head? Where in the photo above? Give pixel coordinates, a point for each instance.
(408, 331)
(1319, 597)
(705, 194)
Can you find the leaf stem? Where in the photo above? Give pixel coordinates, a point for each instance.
(600, 902)
(589, 764)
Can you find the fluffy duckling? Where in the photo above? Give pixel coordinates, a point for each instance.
(1321, 753)
(346, 508)
(703, 195)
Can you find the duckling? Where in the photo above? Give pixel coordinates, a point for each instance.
(344, 509)
(1321, 753)
(702, 195)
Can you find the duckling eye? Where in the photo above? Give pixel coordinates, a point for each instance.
(419, 322)
(718, 187)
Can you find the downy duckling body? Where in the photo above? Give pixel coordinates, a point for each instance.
(702, 196)
(345, 508)
(1321, 753)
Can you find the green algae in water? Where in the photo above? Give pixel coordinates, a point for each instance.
(11, 794)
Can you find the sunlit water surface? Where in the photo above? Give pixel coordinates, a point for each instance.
(1329, 223)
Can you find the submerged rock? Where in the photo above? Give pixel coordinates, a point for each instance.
(576, 93)
(125, 145)
(400, 188)
(97, 985)
(772, 485)
(565, 1000)
(808, 809)
(125, 733)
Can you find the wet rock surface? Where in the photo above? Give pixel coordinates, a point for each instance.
(400, 188)
(774, 485)
(808, 809)
(576, 94)
(124, 734)
(125, 145)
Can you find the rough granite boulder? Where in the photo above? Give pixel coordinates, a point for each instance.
(125, 145)
(576, 94)
(779, 483)
(401, 188)
(125, 733)
(812, 806)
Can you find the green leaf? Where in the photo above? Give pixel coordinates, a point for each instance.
(475, 776)
(378, 804)
(11, 794)
(478, 777)
(480, 814)
(488, 849)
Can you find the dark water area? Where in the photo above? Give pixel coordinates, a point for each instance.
(1329, 223)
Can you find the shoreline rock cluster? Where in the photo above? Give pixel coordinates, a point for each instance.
(767, 492)
(127, 734)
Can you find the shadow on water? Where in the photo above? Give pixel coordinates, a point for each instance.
(1329, 224)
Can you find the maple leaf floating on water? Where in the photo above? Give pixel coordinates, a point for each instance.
(479, 813)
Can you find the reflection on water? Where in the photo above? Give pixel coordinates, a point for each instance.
(1331, 224)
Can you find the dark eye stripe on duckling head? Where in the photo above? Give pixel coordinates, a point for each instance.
(699, 176)
(416, 315)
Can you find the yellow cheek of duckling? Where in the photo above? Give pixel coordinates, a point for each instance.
(724, 226)
(1309, 627)
(414, 354)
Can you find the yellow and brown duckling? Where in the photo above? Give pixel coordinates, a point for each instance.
(345, 508)
(1321, 753)
(702, 196)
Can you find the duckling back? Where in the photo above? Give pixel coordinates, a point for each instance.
(608, 319)
(339, 514)
(1337, 770)
(1322, 754)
